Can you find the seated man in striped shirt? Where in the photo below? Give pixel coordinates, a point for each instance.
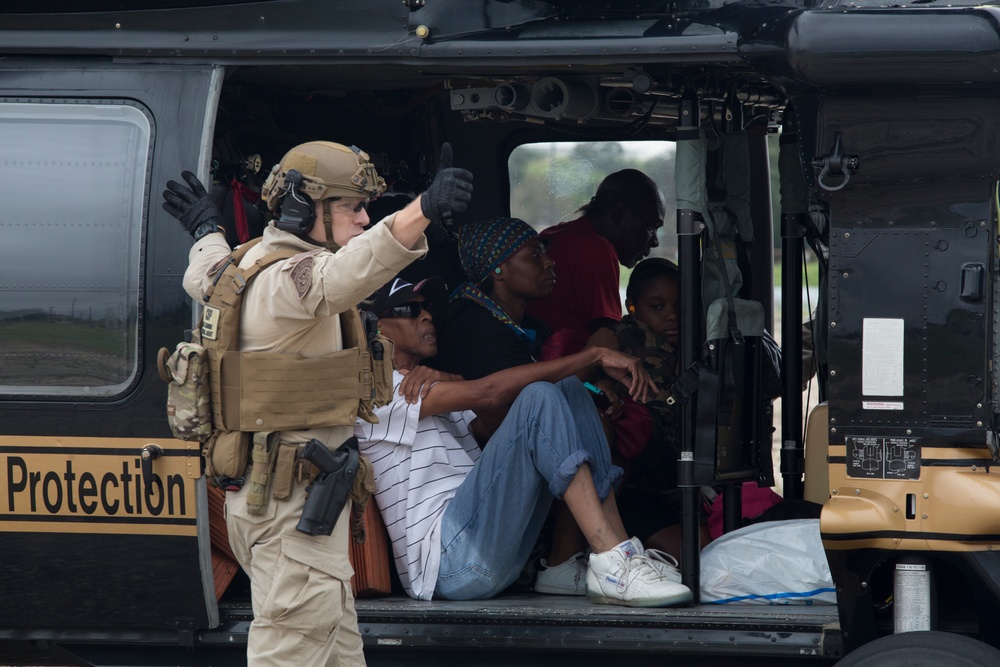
(462, 520)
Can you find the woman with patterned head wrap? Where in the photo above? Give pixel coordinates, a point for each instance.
(485, 328)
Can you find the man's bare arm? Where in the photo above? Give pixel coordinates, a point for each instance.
(602, 337)
(501, 388)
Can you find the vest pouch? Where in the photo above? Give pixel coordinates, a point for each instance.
(286, 466)
(189, 409)
(267, 391)
(265, 450)
(226, 454)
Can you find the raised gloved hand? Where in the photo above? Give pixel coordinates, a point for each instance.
(449, 192)
(192, 206)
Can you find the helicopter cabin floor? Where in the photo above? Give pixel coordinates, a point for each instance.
(566, 625)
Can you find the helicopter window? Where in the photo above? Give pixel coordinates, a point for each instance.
(69, 316)
(550, 181)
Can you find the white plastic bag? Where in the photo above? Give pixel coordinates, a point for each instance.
(773, 562)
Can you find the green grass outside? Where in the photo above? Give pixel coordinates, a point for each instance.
(810, 276)
(62, 334)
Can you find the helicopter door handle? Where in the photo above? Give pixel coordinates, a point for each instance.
(973, 280)
(148, 454)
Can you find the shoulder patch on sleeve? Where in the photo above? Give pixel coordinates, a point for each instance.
(218, 266)
(302, 275)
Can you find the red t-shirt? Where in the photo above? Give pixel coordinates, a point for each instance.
(587, 275)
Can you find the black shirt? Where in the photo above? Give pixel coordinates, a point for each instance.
(473, 343)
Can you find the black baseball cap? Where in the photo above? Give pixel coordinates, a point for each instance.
(398, 291)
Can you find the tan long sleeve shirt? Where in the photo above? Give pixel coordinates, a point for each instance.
(293, 306)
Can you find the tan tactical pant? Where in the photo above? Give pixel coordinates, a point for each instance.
(303, 607)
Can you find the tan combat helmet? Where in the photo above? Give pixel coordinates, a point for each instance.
(328, 170)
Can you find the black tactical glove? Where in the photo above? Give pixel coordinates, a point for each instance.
(192, 206)
(449, 192)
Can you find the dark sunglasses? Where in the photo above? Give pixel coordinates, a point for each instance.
(411, 309)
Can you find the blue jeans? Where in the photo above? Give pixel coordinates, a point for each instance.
(492, 523)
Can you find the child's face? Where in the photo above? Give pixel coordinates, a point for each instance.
(657, 307)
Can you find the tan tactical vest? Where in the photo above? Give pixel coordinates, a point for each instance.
(273, 391)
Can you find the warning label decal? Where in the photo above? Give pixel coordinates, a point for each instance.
(876, 457)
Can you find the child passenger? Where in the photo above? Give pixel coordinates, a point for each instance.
(649, 436)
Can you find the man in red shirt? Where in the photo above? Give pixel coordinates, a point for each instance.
(618, 225)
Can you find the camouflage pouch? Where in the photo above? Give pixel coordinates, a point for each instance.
(189, 409)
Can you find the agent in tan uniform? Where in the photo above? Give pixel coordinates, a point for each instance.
(303, 606)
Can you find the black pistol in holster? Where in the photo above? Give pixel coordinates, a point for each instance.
(330, 490)
(370, 321)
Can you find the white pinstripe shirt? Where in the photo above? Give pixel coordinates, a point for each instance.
(418, 465)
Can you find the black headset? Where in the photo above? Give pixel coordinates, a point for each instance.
(296, 212)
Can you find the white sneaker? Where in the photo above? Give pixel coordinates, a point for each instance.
(569, 578)
(664, 563)
(626, 576)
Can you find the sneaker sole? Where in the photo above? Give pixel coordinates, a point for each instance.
(559, 590)
(678, 598)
